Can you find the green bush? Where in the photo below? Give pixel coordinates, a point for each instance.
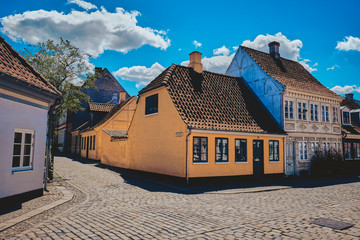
(327, 163)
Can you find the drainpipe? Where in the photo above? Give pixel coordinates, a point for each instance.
(187, 156)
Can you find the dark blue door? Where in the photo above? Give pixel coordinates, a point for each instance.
(258, 158)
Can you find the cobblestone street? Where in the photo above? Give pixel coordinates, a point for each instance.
(112, 208)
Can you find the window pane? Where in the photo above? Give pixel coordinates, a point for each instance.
(27, 149)
(26, 162)
(28, 138)
(17, 149)
(16, 162)
(196, 149)
(17, 137)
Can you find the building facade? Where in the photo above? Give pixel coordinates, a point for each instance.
(25, 99)
(308, 111)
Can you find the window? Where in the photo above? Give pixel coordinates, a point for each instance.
(289, 109)
(274, 150)
(339, 147)
(200, 149)
(346, 118)
(335, 115)
(347, 150)
(151, 104)
(303, 150)
(90, 142)
(356, 150)
(302, 111)
(314, 112)
(240, 150)
(221, 150)
(23, 149)
(326, 146)
(93, 142)
(314, 147)
(325, 113)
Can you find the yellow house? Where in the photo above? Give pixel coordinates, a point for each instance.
(193, 123)
(119, 117)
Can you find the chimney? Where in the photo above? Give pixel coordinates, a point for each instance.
(349, 95)
(122, 96)
(195, 62)
(98, 70)
(274, 49)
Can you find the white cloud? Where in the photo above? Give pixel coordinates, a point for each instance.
(288, 49)
(92, 32)
(349, 43)
(83, 4)
(140, 74)
(333, 67)
(345, 89)
(221, 51)
(197, 44)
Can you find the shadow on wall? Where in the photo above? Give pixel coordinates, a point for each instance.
(162, 183)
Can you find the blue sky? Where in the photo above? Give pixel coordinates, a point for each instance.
(136, 40)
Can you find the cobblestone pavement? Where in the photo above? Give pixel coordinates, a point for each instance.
(115, 209)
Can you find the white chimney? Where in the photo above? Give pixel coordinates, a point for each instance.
(195, 62)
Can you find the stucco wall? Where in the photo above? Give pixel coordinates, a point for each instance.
(265, 87)
(232, 168)
(154, 146)
(22, 116)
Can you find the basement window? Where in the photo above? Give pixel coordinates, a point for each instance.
(151, 104)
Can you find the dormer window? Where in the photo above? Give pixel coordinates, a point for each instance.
(346, 117)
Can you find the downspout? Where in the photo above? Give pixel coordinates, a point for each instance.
(187, 156)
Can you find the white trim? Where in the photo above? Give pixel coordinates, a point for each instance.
(200, 163)
(237, 133)
(22, 147)
(151, 114)
(228, 162)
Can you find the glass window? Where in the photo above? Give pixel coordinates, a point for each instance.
(346, 118)
(302, 111)
(90, 142)
(314, 112)
(314, 147)
(323, 113)
(22, 149)
(286, 109)
(291, 109)
(151, 104)
(221, 150)
(335, 115)
(200, 149)
(327, 113)
(274, 150)
(93, 142)
(356, 150)
(240, 150)
(347, 149)
(303, 150)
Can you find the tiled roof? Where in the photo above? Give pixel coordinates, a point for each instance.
(214, 101)
(289, 73)
(350, 103)
(114, 110)
(101, 107)
(351, 129)
(116, 133)
(14, 65)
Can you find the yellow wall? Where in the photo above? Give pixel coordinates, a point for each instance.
(233, 168)
(115, 152)
(154, 146)
(93, 152)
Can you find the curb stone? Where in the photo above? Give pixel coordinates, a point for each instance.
(67, 196)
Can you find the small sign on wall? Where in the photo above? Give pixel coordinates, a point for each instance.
(179, 134)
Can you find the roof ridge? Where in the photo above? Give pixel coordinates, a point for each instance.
(269, 54)
(31, 68)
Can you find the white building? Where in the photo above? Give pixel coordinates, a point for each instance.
(25, 98)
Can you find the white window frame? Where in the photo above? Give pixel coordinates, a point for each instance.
(290, 109)
(302, 107)
(314, 112)
(22, 144)
(335, 113)
(303, 151)
(314, 146)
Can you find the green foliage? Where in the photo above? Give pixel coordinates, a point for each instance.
(327, 163)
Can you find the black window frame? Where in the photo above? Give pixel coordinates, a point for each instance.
(200, 152)
(226, 151)
(90, 145)
(238, 156)
(94, 142)
(275, 154)
(152, 104)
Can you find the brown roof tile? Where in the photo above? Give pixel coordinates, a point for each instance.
(14, 65)
(350, 103)
(214, 101)
(101, 107)
(289, 73)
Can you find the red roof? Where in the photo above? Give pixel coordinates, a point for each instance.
(14, 65)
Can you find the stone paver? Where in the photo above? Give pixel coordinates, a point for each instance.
(116, 209)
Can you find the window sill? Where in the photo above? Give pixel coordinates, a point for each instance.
(241, 162)
(274, 161)
(151, 114)
(200, 163)
(22, 171)
(221, 162)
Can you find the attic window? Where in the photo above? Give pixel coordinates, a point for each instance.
(151, 104)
